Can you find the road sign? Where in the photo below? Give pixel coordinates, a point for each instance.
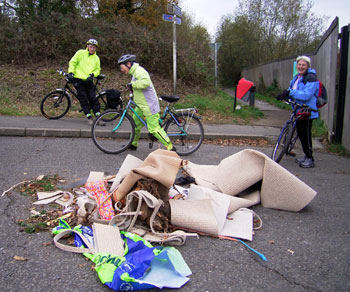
(174, 9)
(170, 18)
(178, 11)
(171, 9)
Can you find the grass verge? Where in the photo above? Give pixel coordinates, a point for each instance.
(217, 107)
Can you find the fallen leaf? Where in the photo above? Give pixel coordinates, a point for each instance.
(271, 241)
(19, 258)
(291, 251)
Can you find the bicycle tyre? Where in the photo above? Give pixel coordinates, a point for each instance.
(185, 145)
(113, 142)
(55, 105)
(282, 143)
(292, 137)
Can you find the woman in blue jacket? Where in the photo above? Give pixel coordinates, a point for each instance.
(304, 89)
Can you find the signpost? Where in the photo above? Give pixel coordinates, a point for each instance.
(174, 16)
(216, 47)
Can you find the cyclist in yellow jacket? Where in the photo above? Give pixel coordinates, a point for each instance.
(83, 67)
(146, 98)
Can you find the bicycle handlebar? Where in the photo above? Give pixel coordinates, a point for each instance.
(293, 102)
(65, 74)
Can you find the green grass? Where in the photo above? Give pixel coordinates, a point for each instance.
(319, 128)
(272, 101)
(217, 107)
(338, 150)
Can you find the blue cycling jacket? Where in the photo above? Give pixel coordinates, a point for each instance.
(306, 93)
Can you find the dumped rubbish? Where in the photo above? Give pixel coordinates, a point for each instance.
(20, 258)
(125, 224)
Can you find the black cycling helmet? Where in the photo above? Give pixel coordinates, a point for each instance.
(126, 58)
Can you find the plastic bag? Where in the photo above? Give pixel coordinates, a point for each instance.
(142, 267)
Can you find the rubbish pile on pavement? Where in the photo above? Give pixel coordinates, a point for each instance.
(126, 223)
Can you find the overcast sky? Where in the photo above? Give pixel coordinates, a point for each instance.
(209, 12)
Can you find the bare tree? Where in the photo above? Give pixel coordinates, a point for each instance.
(284, 26)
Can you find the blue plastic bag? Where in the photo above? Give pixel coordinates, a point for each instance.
(142, 267)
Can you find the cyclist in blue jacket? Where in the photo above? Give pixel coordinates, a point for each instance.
(304, 89)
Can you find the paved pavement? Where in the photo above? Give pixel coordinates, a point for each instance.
(267, 127)
(78, 127)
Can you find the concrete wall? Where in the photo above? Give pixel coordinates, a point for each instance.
(324, 61)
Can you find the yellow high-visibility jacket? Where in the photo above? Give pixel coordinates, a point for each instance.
(83, 64)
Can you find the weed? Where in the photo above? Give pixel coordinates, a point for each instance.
(33, 227)
(338, 150)
(47, 184)
(319, 128)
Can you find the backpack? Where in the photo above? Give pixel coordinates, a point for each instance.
(322, 96)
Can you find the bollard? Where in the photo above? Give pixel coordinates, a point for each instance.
(252, 96)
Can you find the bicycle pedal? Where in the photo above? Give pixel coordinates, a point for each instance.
(150, 145)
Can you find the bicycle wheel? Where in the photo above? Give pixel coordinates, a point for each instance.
(55, 105)
(292, 137)
(112, 132)
(189, 140)
(282, 143)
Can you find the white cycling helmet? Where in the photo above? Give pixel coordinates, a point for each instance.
(92, 42)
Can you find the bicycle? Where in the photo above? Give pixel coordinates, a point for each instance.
(56, 104)
(288, 136)
(182, 126)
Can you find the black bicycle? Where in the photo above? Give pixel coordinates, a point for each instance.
(288, 135)
(56, 104)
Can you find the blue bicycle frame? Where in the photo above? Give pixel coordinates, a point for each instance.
(166, 112)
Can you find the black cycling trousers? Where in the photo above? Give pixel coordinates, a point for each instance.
(87, 96)
(304, 134)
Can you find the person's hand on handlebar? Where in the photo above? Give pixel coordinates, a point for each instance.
(283, 95)
(90, 79)
(70, 77)
(129, 86)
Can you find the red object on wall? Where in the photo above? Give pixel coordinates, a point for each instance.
(243, 87)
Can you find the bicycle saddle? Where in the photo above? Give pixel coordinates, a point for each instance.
(170, 98)
(101, 76)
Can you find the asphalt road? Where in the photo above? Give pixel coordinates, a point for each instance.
(306, 251)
